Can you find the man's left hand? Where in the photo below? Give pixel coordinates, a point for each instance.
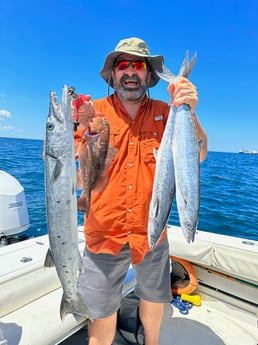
(183, 92)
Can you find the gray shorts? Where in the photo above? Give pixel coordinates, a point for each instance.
(101, 282)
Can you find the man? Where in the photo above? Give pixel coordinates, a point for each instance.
(116, 227)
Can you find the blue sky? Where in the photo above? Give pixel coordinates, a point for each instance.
(46, 44)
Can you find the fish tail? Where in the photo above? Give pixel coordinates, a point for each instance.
(49, 262)
(65, 308)
(80, 310)
(76, 307)
(79, 179)
(83, 204)
(184, 71)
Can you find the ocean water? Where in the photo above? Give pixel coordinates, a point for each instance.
(229, 189)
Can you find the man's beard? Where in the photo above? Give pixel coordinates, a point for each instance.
(129, 93)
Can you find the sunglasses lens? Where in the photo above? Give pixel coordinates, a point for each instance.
(138, 65)
(122, 65)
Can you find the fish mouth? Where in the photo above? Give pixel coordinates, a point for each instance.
(91, 117)
(90, 134)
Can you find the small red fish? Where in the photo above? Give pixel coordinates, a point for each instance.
(95, 158)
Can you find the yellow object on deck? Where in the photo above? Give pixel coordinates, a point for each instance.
(194, 299)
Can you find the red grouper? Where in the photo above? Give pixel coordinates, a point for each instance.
(95, 158)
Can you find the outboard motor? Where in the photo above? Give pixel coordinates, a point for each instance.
(14, 217)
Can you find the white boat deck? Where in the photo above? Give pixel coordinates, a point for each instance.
(30, 297)
(215, 323)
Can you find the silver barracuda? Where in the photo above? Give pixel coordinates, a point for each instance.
(186, 157)
(61, 204)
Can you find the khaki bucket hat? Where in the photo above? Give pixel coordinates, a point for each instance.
(134, 46)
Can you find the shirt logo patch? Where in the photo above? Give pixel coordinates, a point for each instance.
(158, 117)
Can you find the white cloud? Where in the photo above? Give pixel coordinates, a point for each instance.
(4, 114)
(6, 128)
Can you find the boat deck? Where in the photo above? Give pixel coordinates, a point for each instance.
(215, 322)
(227, 271)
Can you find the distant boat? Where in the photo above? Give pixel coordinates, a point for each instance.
(248, 151)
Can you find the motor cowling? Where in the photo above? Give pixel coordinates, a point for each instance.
(14, 216)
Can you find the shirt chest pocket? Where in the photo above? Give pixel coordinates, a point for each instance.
(114, 136)
(149, 141)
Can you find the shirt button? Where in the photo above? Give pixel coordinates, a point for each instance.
(129, 232)
(130, 187)
(131, 143)
(130, 165)
(155, 134)
(129, 210)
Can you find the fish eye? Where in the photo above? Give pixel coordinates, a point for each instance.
(188, 225)
(50, 126)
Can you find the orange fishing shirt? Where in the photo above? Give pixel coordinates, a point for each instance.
(119, 214)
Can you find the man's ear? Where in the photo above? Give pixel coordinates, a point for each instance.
(149, 77)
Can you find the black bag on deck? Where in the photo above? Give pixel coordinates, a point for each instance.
(128, 321)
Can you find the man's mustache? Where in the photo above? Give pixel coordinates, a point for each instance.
(126, 77)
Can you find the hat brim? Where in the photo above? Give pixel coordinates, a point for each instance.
(155, 63)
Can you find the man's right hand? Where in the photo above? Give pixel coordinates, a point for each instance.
(85, 110)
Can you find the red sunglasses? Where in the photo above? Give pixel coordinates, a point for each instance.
(138, 65)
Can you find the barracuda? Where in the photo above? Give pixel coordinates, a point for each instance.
(61, 204)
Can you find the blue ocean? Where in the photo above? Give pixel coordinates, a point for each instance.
(229, 189)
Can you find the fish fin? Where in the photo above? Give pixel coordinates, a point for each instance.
(49, 262)
(79, 179)
(186, 67)
(100, 184)
(154, 210)
(184, 71)
(56, 171)
(155, 153)
(200, 145)
(153, 239)
(169, 211)
(111, 154)
(83, 204)
(80, 311)
(191, 64)
(166, 75)
(102, 178)
(156, 207)
(80, 263)
(185, 199)
(65, 308)
(184, 193)
(76, 307)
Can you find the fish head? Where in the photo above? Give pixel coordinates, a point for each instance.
(58, 126)
(188, 225)
(97, 122)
